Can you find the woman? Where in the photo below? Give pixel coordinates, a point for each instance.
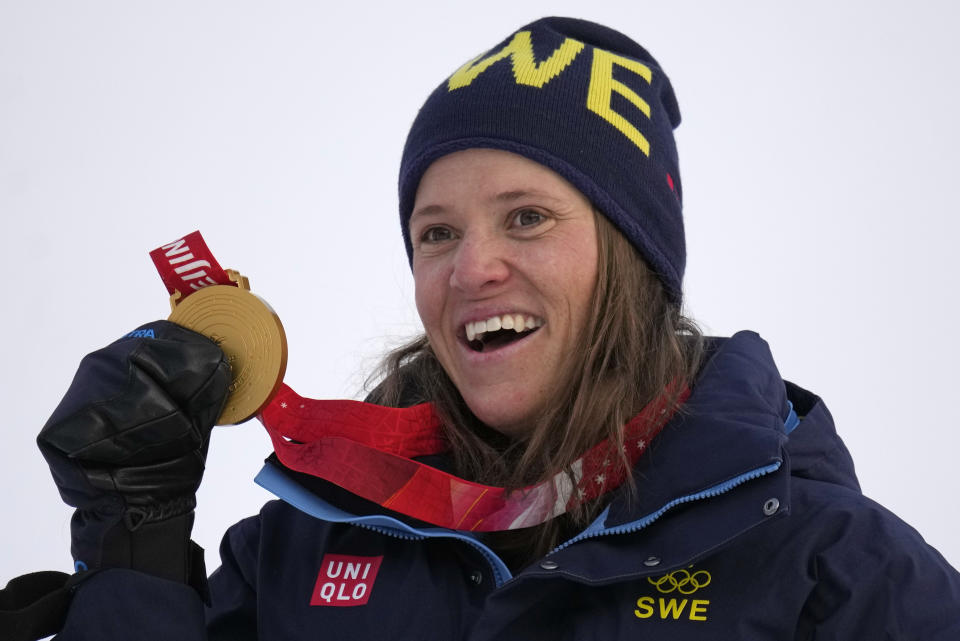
(644, 481)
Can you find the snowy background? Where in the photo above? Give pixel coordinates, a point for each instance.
(818, 150)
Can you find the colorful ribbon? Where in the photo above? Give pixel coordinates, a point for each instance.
(367, 449)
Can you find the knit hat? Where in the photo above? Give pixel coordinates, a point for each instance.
(582, 99)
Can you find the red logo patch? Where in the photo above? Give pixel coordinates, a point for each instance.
(345, 580)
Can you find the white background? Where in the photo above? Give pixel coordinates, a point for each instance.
(818, 149)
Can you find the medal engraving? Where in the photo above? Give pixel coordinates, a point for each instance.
(250, 334)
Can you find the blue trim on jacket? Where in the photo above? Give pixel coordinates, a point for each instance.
(273, 480)
(285, 488)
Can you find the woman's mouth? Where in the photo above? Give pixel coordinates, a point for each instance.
(498, 331)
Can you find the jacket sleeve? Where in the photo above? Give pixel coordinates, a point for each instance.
(121, 604)
(880, 580)
(124, 604)
(232, 615)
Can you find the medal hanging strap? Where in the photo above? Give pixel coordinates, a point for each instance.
(187, 265)
(368, 450)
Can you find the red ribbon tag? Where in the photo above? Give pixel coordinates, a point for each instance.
(186, 265)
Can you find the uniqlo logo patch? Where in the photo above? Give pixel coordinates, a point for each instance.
(345, 580)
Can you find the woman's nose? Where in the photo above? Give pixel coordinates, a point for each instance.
(479, 264)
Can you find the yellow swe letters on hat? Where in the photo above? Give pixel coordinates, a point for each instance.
(602, 86)
(526, 71)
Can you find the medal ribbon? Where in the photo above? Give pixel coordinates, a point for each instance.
(186, 265)
(367, 450)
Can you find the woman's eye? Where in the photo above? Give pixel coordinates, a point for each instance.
(528, 218)
(435, 235)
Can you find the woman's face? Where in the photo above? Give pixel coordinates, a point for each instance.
(505, 264)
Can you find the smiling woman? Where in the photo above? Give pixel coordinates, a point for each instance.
(561, 454)
(502, 237)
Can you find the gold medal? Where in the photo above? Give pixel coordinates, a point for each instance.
(250, 334)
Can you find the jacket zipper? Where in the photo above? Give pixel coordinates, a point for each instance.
(271, 479)
(597, 529)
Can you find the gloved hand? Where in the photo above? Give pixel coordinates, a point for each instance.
(127, 445)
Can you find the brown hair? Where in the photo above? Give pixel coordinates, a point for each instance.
(636, 343)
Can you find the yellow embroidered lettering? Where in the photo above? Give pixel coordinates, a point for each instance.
(698, 610)
(644, 607)
(671, 608)
(602, 86)
(526, 71)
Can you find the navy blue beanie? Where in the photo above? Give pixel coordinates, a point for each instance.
(587, 102)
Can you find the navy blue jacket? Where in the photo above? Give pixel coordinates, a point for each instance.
(747, 523)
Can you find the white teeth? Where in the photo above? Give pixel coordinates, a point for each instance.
(517, 322)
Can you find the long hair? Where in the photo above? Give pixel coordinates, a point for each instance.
(636, 346)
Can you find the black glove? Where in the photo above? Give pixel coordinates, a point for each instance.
(127, 445)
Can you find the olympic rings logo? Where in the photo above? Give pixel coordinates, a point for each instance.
(683, 581)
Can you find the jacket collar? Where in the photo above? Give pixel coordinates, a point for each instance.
(732, 424)
(725, 452)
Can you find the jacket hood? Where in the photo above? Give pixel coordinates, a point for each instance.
(816, 450)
